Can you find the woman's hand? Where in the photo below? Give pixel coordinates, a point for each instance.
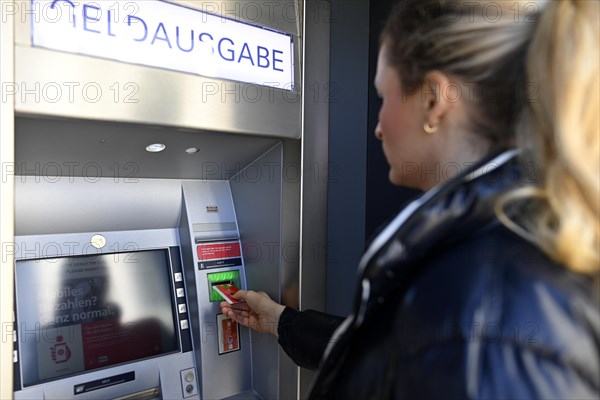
(256, 311)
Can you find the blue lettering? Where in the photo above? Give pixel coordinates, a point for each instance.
(276, 60)
(191, 44)
(246, 49)
(109, 21)
(158, 29)
(129, 18)
(87, 18)
(264, 57)
(231, 52)
(212, 49)
(66, 1)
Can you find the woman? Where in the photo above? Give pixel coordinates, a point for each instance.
(487, 285)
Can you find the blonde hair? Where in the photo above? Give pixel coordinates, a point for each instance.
(561, 129)
(482, 43)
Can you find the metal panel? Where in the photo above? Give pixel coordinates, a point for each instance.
(313, 239)
(111, 91)
(257, 196)
(92, 88)
(290, 263)
(67, 205)
(68, 244)
(281, 15)
(230, 373)
(6, 200)
(92, 149)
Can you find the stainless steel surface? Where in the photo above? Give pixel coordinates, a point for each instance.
(315, 128)
(84, 87)
(278, 15)
(49, 245)
(290, 273)
(46, 205)
(282, 15)
(6, 199)
(230, 373)
(258, 210)
(91, 149)
(143, 395)
(247, 395)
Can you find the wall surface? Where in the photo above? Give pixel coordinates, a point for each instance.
(348, 89)
(383, 200)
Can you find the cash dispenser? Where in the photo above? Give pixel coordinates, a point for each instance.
(117, 300)
(158, 149)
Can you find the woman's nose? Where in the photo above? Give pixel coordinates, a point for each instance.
(378, 132)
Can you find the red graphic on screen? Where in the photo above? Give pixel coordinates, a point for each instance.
(107, 342)
(60, 352)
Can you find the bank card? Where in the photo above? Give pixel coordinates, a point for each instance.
(226, 290)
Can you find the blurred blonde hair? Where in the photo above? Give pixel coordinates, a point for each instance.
(561, 131)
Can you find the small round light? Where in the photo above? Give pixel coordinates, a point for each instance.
(155, 147)
(98, 241)
(192, 150)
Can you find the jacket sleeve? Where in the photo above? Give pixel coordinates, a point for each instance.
(304, 335)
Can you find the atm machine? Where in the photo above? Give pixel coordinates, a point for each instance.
(160, 149)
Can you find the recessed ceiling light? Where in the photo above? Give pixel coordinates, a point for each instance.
(155, 147)
(192, 150)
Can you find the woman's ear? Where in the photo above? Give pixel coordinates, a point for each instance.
(439, 95)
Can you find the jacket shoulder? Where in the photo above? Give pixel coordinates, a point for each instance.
(494, 292)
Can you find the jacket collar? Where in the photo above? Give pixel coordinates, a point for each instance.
(444, 215)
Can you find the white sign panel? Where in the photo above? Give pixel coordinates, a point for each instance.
(165, 35)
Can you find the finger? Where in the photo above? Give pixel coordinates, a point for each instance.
(240, 295)
(240, 306)
(236, 316)
(238, 313)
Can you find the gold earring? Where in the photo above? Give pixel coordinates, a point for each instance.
(429, 129)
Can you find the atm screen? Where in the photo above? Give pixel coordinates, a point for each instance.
(80, 313)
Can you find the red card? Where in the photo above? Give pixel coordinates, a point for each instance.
(226, 290)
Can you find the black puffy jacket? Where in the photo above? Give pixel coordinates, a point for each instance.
(453, 305)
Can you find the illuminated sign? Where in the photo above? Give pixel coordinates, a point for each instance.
(165, 35)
